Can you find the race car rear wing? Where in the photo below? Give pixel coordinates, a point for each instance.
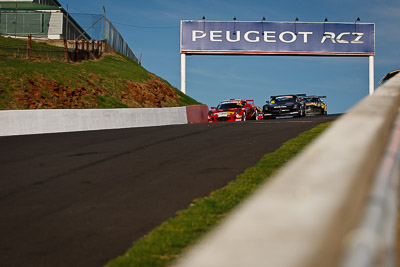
(274, 96)
(316, 96)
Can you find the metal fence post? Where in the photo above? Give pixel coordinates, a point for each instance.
(76, 50)
(28, 49)
(97, 49)
(92, 53)
(87, 50)
(82, 51)
(66, 50)
(101, 49)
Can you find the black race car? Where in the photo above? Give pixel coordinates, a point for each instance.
(314, 104)
(284, 105)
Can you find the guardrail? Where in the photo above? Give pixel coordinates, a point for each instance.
(335, 204)
(20, 122)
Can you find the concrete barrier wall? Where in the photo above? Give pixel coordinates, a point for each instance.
(308, 213)
(197, 113)
(19, 122)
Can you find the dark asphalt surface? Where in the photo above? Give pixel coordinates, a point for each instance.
(81, 199)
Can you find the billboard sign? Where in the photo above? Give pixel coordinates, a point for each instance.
(277, 38)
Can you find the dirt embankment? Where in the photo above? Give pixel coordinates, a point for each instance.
(153, 93)
(40, 92)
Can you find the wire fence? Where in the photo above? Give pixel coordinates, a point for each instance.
(101, 28)
(117, 42)
(40, 26)
(70, 51)
(92, 24)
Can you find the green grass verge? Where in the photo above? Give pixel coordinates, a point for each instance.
(166, 243)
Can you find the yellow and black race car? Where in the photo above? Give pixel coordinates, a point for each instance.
(314, 104)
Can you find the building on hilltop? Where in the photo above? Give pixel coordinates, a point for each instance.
(45, 19)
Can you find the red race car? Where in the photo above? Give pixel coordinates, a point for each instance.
(235, 110)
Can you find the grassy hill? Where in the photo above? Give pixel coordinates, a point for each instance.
(113, 81)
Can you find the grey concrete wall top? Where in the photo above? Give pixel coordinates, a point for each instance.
(18, 122)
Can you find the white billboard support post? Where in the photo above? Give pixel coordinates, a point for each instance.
(183, 73)
(371, 75)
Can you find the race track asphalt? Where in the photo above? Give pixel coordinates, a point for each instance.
(81, 199)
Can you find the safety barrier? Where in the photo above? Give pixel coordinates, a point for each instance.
(197, 113)
(335, 204)
(20, 122)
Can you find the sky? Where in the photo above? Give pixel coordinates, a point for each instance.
(151, 28)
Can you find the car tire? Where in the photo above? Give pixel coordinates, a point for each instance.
(299, 113)
(244, 116)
